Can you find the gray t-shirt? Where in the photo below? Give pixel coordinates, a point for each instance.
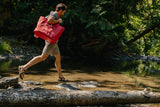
(54, 15)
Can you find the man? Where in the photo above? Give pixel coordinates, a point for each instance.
(49, 49)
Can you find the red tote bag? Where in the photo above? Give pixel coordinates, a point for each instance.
(50, 33)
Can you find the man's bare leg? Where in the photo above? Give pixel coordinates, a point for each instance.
(59, 69)
(58, 64)
(35, 60)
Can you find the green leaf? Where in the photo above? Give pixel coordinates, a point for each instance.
(90, 24)
(95, 11)
(102, 25)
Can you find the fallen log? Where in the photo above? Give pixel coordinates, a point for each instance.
(39, 96)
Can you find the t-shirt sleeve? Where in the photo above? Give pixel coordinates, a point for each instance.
(54, 15)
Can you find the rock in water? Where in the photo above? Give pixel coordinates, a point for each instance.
(76, 85)
(31, 83)
(8, 82)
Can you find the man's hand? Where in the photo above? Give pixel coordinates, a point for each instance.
(60, 20)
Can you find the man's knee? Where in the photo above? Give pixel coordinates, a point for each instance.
(43, 57)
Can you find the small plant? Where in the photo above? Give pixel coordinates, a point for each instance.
(5, 48)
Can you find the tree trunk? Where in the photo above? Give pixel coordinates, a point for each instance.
(38, 96)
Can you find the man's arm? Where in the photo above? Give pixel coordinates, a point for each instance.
(52, 21)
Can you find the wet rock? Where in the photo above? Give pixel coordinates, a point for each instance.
(25, 83)
(77, 85)
(12, 83)
(2, 57)
(8, 82)
(152, 58)
(10, 88)
(137, 57)
(155, 71)
(66, 86)
(86, 84)
(34, 88)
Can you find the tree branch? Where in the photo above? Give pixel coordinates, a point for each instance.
(143, 33)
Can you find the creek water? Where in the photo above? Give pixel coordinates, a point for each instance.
(122, 76)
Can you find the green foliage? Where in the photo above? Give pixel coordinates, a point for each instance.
(5, 48)
(98, 25)
(108, 21)
(146, 16)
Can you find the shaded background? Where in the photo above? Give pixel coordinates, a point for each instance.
(95, 30)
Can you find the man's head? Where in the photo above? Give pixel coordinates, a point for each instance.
(61, 9)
